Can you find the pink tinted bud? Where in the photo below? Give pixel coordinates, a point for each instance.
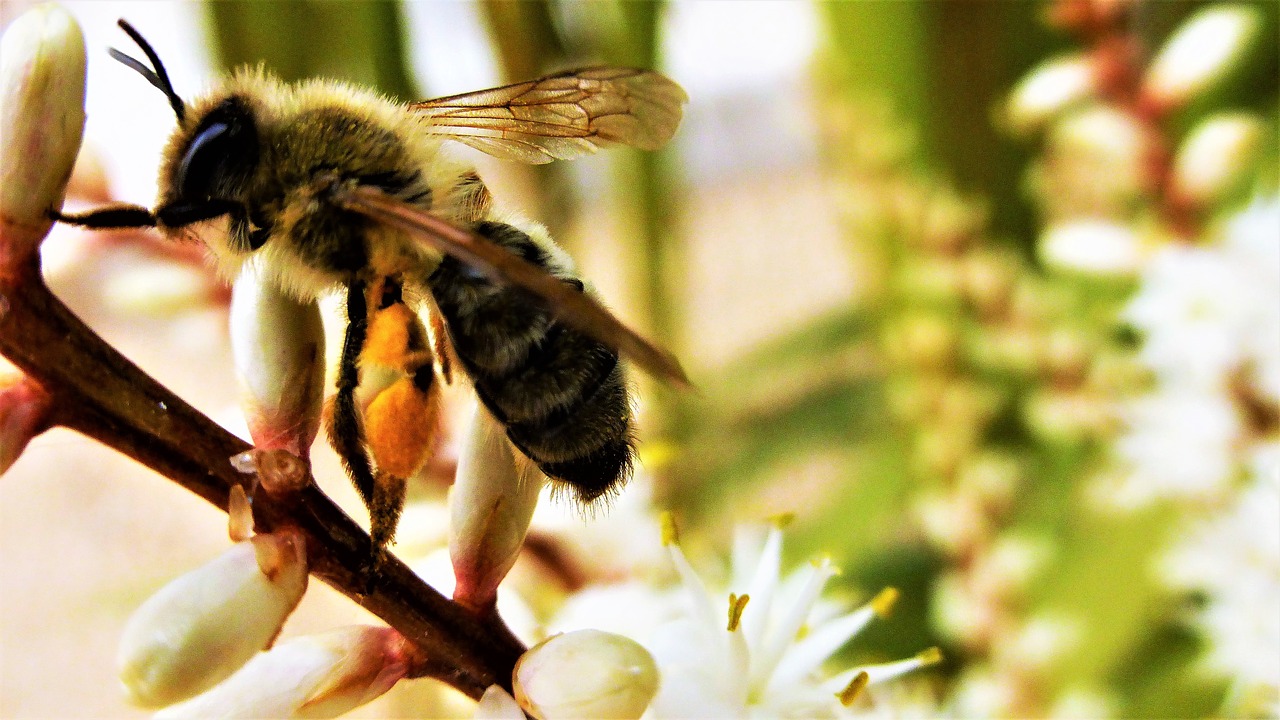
(313, 676)
(205, 625)
(42, 75)
(278, 345)
(490, 507)
(24, 414)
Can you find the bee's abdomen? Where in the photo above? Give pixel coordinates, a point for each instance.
(561, 394)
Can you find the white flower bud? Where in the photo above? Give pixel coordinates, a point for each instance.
(490, 507)
(203, 626)
(1217, 157)
(42, 76)
(1094, 246)
(1048, 89)
(1099, 155)
(278, 345)
(1207, 47)
(315, 676)
(24, 413)
(586, 674)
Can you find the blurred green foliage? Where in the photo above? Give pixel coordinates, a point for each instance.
(360, 42)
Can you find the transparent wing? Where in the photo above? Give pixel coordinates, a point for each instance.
(569, 305)
(562, 116)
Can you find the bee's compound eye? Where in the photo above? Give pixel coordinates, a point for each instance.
(223, 151)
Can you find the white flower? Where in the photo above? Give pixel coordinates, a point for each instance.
(1252, 249)
(1235, 559)
(760, 654)
(1181, 442)
(1194, 313)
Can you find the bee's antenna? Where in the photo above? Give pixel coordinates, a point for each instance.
(158, 76)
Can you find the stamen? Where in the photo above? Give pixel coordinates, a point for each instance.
(782, 520)
(930, 656)
(890, 670)
(737, 603)
(883, 603)
(853, 690)
(670, 536)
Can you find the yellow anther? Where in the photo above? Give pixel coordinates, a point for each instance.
(669, 534)
(931, 656)
(737, 603)
(883, 603)
(782, 520)
(854, 689)
(824, 561)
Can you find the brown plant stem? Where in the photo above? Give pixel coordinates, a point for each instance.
(98, 392)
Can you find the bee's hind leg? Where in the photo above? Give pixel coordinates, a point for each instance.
(345, 428)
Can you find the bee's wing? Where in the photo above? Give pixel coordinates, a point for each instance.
(569, 305)
(562, 116)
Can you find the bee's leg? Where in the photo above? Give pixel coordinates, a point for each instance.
(345, 430)
(115, 216)
(401, 422)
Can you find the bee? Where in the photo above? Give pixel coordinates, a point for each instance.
(330, 188)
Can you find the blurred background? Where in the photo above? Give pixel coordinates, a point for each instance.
(984, 295)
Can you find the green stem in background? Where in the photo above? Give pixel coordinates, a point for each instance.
(947, 64)
(360, 42)
(528, 45)
(648, 198)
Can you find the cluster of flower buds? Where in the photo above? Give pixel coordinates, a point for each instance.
(205, 644)
(1112, 182)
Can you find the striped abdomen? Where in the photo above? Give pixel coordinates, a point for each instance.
(561, 394)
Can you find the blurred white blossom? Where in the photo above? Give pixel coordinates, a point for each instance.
(1193, 312)
(1205, 48)
(1209, 317)
(1179, 443)
(1234, 558)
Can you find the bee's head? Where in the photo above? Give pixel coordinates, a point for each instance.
(215, 148)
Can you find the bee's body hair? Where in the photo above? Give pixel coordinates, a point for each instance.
(561, 394)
